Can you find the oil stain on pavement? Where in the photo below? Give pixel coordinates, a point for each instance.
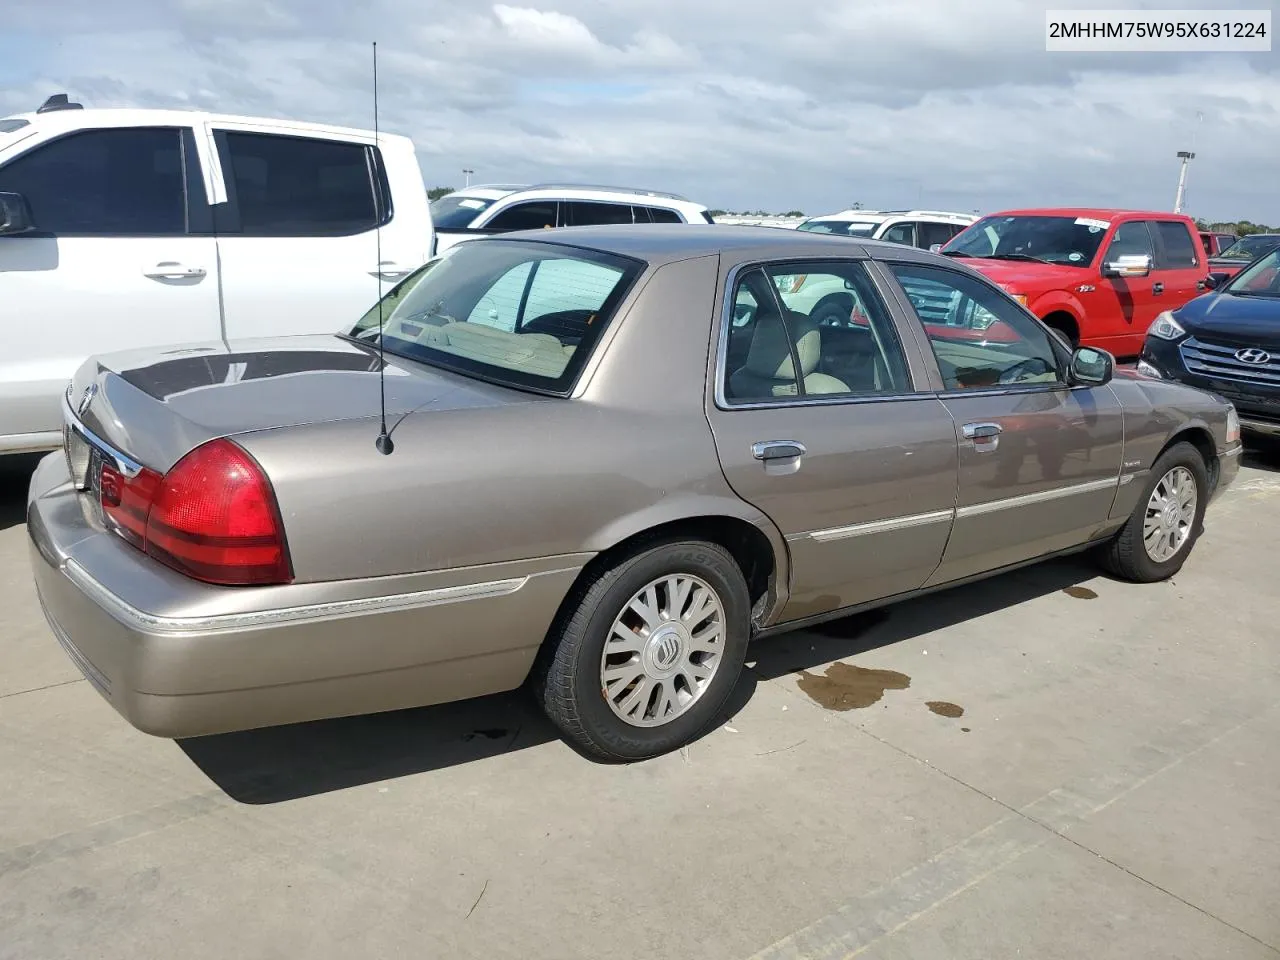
(1080, 593)
(944, 709)
(844, 687)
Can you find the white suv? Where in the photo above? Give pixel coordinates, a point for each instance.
(499, 208)
(914, 228)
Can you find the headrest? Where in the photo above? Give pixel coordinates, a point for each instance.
(770, 356)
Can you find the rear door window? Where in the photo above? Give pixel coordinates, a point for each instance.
(1177, 249)
(931, 233)
(664, 215)
(287, 186)
(532, 215)
(589, 213)
(904, 233)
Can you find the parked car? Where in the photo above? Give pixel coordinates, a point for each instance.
(1227, 341)
(1215, 243)
(134, 228)
(1098, 277)
(915, 228)
(502, 208)
(660, 477)
(1242, 253)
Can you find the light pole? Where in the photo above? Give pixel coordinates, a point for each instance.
(1186, 156)
(468, 175)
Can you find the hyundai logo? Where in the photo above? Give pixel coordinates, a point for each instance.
(1253, 355)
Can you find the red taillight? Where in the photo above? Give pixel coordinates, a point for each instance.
(213, 516)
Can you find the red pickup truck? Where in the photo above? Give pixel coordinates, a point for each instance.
(1099, 277)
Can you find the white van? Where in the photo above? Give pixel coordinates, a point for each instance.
(134, 228)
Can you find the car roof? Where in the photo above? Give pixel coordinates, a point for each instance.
(667, 243)
(576, 191)
(1099, 213)
(60, 121)
(879, 216)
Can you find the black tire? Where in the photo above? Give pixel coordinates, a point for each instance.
(567, 681)
(1125, 555)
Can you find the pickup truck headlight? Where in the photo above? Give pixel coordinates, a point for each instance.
(1166, 328)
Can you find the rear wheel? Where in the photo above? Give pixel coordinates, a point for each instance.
(646, 655)
(1158, 537)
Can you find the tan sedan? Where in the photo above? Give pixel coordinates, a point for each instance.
(612, 458)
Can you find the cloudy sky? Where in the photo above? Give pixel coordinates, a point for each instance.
(951, 104)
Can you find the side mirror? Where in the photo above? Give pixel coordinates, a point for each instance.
(15, 214)
(1130, 265)
(1091, 367)
(1215, 280)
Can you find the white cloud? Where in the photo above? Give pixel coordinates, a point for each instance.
(739, 103)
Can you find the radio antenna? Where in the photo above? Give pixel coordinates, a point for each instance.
(383, 443)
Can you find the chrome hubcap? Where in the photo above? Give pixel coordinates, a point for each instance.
(1170, 513)
(663, 650)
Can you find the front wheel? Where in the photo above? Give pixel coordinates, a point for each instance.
(647, 654)
(1157, 538)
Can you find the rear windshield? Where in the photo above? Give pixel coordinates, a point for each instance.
(520, 313)
(453, 212)
(843, 228)
(1071, 241)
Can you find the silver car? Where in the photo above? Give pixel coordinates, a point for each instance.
(611, 459)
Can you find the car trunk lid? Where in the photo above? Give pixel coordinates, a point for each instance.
(154, 406)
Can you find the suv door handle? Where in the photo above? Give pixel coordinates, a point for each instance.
(778, 450)
(390, 270)
(1157, 288)
(171, 270)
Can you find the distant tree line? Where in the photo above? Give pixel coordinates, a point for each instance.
(435, 193)
(1241, 228)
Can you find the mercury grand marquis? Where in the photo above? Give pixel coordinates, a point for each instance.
(611, 459)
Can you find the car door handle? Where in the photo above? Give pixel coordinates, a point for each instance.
(172, 270)
(985, 436)
(1157, 288)
(390, 270)
(777, 450)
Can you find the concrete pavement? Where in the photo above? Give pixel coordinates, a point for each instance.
(1050, 764)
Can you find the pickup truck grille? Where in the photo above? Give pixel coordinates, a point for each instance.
(1220, 360)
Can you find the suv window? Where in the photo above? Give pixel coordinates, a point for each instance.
(1131, 239)
(586, 213)
(901, 233)
(828, 321)
(1178, 250)
(931, 233)
(524, 314)
(980, 338)
(663, 215)
(125, 181)
(287, 186)
(532, 215)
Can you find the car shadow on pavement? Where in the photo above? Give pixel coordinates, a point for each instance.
(15, 476)
(276, 764)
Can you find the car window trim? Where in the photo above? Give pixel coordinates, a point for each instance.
(187, 157)
(938, 386)
(724, 324)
